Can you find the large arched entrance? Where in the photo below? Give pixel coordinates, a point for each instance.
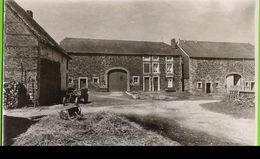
(233, 80)
(117, 80)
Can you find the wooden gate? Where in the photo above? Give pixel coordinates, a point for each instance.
(117, 81)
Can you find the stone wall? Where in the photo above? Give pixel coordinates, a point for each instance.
(216, 70)
(22, 51)
(96, 66)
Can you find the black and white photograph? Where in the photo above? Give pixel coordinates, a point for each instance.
(130, 73)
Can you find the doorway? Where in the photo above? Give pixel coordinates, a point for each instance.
(208, 87)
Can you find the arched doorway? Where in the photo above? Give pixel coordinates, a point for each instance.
(233, 80)
(117, 80)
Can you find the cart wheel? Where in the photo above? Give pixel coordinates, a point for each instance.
(64, 101)
(76, 101)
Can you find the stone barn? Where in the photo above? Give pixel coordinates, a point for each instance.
(32, 57)
(217, 67)
(119, 65)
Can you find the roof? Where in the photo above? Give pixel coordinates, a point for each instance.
(118, 47)
(36, 29)
(204, 49)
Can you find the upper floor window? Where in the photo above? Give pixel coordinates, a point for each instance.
(156, 68)
(155, 58)
(146, 58)
(169, 58)
(169, 68)
(146, 67)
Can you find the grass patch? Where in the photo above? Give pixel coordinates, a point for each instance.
(171, 129)
(96, 129)
(226, 107)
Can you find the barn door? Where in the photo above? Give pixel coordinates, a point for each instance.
(50, 82)
(117, 81)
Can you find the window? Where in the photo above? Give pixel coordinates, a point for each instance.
(146, 67)
(156, 68)
(169, 68)
(146, 58)
(95, 80)
(252, 85)
(169, 58)
(170, 82)
(247, 85)
(199, 85)
(217, 84)
(155, 58)
(135, 80)
(83, 82)
(70, 79)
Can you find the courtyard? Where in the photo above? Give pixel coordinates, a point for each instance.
(186, 120)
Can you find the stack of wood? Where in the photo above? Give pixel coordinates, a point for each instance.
(15, 95)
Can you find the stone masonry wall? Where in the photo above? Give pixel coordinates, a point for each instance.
(216, 70)
(20, 53)
(96, 66)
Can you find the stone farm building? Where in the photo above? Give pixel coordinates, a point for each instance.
(32, 57)
(217, 67)
(118, 65)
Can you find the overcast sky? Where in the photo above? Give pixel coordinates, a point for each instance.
(157, 20)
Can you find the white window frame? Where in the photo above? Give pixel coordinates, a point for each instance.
(71, 80)
(197, 86)
(217, 87)
(93, 78)
(149, 68)
(138, 80)
(168, 82)
(251, 85)
(167, 59)
(159, 87)
(248, 83)
(148, 59)
(158, 67)
(155, 59)
(149, 82)
(166, 68)
(86, 78)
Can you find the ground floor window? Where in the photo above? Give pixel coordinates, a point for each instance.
(199, 85)
(170, 82)
(95, 80)
(252, 85)
(217, 85)
(83, 82)
(135, 80)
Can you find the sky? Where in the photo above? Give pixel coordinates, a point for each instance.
(147, 20)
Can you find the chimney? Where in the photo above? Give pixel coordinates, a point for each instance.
(173, 43)
(30, 13)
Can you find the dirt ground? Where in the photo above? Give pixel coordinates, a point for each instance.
(192, 119)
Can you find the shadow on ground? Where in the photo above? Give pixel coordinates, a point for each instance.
(176, 132)
(14, 126)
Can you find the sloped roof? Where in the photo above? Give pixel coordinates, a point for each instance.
(36, 29)
(203, 49)
(118, 47)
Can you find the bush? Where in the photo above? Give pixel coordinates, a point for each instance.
(15, 95)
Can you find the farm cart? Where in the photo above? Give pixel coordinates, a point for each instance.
(75, 96)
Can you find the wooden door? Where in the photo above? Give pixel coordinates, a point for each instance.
(117, 81)
(156, 84)
(146, 84)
